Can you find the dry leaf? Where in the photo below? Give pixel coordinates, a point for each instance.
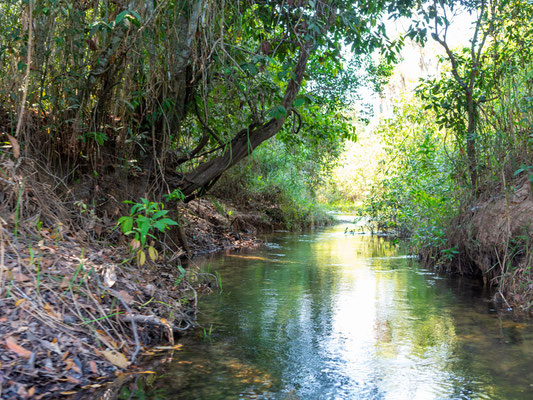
(94, 386)
(70, 363)
(22, 391)
(98, 229)
(93, 367)
(128, 298)
(106, 339)
(110, 277)
(71, 379)
(116, 358)
(76, 368)
(152, 253)
(52, 346)
(50, 311)
(15, 145)
(175, 347)
(14, 347)
(141, 258)
(20, 277)
(65, 282)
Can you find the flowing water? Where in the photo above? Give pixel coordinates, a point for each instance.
(330, 315)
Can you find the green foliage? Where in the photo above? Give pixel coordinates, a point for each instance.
(181, 275)
(99, 137)
(412, 193)
(487, 87)
(175, 195)
(281, 174)
(474, 120)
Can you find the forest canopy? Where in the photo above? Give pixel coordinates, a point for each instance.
(182, 89)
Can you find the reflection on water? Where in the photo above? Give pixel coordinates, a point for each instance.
(335, 316)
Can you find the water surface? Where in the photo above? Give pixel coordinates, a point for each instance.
(330, 315)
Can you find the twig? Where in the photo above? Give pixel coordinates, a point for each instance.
(152, 320)
(503, 297)
(6, 181)
(133, 326)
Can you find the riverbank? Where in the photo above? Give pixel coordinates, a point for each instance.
(494, 240)
(77, 306)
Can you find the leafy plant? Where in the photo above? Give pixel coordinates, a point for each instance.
(207, 334)
(176, 195)
(146, 218)
(525, 168)
(99, 137)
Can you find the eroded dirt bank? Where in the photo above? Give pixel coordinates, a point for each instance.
(494, 239)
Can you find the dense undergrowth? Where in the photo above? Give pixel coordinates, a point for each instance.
(458, 181)
(282, 180)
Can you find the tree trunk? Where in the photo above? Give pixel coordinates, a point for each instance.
(471, 140)
(241, 146)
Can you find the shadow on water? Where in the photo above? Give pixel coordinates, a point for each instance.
(334, 316)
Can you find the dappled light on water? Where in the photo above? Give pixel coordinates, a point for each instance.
(331, 315)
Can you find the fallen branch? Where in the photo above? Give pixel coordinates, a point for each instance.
(152, 320)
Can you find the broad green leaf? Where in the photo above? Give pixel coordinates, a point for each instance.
(519, 171)
(127, 225)
(160, 226)
(299, 102)
(120, 17)
(159, 214)
(168, 221)
(144, 228)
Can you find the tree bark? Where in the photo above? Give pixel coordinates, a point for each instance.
(471, 140)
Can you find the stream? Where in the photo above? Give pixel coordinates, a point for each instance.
(330, 315)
